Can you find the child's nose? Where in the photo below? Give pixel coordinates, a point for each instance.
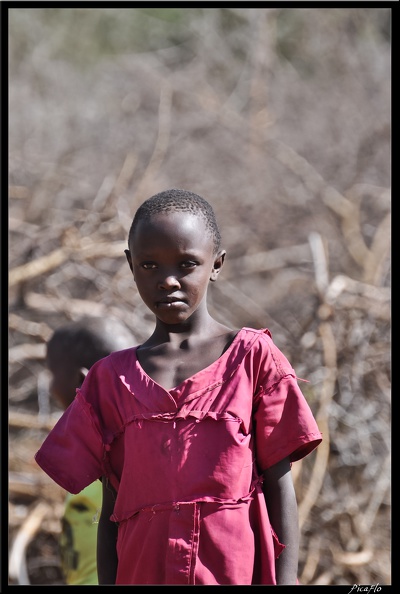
(169, 282)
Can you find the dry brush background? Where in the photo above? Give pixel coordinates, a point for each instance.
(281, 119)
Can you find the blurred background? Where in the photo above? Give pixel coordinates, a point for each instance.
(281, 118)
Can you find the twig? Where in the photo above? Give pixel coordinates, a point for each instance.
(22, 352)
(17, 562)
(378, 252)
(29, 421)
(54, 259)
(292, 255)
(320, 262)
(162, 142)
(38, 266)
(328, 387)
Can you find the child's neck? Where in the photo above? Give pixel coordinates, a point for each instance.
(171, 358)
(192, 334)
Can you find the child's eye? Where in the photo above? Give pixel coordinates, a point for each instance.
(188, 264)
(148, 265)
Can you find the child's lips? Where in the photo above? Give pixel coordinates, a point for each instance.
(170, 302)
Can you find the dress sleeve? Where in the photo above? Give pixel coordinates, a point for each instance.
(72, 453)
(284, 423)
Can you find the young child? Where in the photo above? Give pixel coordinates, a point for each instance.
(193, 431)
(71, 352)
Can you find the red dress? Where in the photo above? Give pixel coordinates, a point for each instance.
(186, 463)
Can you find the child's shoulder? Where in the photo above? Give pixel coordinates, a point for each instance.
(254, 335)
(261, 343)
(122, 357)
(256, 331)
(113, 360)
(254, 340)
(123, 353)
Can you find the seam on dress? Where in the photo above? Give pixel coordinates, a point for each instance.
(195, 540)
(264, 391)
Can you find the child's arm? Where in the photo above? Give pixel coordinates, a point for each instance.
(107, 560)
(282, 510)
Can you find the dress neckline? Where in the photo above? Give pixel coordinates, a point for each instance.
(192, 379)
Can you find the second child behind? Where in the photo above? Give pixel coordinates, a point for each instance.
(193, 431)
(70, 352)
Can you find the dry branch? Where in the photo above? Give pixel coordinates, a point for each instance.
(26, 351)
(37, 267)
(49, 303)
(41, 329)
(322, 454)
(349, 212)
(76, 308)
(17, 561)
(124, 177)
(162, 142)
(29, 421)
(345, 292)
(379, 252)
(45, 264)
(350, 558)
(320, 262)
(292, 255)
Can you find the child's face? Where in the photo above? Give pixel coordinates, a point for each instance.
(172, 260)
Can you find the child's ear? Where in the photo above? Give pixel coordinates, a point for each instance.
(129, 258)
(218, 263)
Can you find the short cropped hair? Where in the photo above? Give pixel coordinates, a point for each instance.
(176, 200)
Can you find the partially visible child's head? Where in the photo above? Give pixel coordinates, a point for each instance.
(176, 200)
(75, 347)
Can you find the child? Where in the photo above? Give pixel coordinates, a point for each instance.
(71, 351)
(193, 431)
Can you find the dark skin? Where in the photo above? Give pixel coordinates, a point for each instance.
(172, 259)
(281, 503)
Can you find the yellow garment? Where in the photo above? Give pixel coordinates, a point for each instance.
(78, 540)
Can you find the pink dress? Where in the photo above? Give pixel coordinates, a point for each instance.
(186, 463)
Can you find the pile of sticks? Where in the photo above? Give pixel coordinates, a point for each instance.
(344, 342)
